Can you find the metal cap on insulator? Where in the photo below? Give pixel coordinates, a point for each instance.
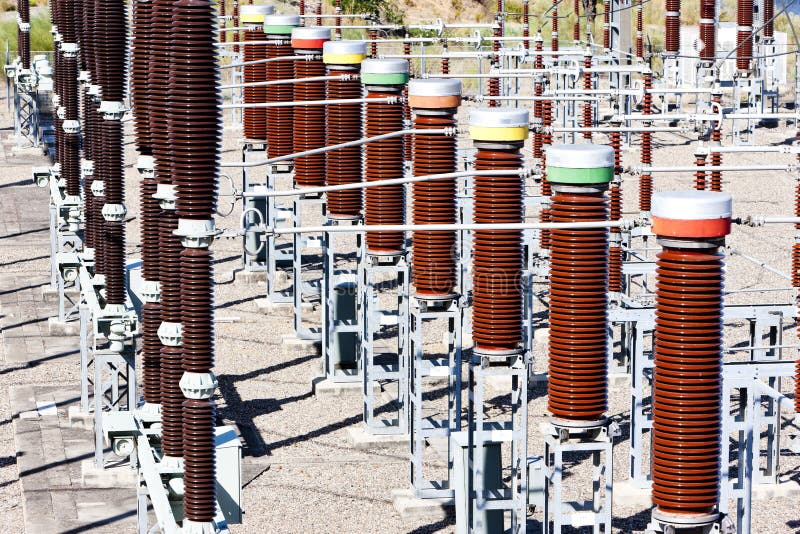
(254, 15)
(312, 38)
(691, 215)
(384, 72)
(344, 52)
(280, 24)
(434, 93)
(580, 165)
(499, 124)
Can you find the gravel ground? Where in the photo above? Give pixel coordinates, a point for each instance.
(302, 474)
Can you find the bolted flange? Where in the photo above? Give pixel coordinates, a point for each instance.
(114, 212)
(166, 196)
(146, 165)
(69, 49)
(87, 167)
(71, 127)
(151, 291)
(98, 188)
(194, 233)
(112, 111)
(94, 92)
(190, 527)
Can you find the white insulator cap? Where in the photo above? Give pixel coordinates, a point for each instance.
(312, 33)
(345, 48)
(692, 205)
(434, 87)
(583, 156)
(499, 117)
(384, 66)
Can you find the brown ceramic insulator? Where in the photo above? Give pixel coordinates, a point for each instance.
(236, 35)
(646, 180)
(707, 29)
(337, 22)
(796, 265)
(588, 115)
(687, 388)
(537, 151)
(110, 169)
(700, 176)
(554, 27)
(309, 124)
(67, 26)
(383, 161)
(497, 254)
(24, 47)
(24, 10)
(171, 400)
(114, 258)
(434, 269)
(639, 30)
(150, 213)
(86, 35)
(578, 383)
(110, 48)
(526, 24)
(301, 7)
(744, 43)
(255, 119)
(797, 387)
(576, 26)
(280, 138)
(199, 499)
(170, 262)
(493, 89)
(408, 141)
(160, 101)
(140, 81)
(769, 23)
(373, 43)
(70, 100)
(544, 212)
(614, 251)
(606, 24)
(672, 27)
(196, 125)
(716, 161)
(151, 352)
(645, 192)
(71, 163)
(343, 124)
(319, 14)
(197, 310)
(445, 66)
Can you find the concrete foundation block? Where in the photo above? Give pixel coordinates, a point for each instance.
(63, 328)
(326, 388)
(361, 439)
(786, 487)
(111, 477)
(628, 494)
(241, 276)
(294, 344)
(79, 419)
(413, 509)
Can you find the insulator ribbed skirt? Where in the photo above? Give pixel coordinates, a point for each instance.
(343, 166)
(199, 501)
(309, 124)
(578, 381)
(672, 27)
(280, 138)
(151, 352)
(383, 161)
(255, 119)
(497, 254)
(197, 310)
(687, 389)
(434, 267)
(744, 44)
(140, 80)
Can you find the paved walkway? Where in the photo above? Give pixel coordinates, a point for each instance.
(47, 480)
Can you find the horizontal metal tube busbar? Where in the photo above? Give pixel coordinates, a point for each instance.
(346, 77)
(268, 60)
(707, 168)
(377, 183)
(482, 98)
(785, 149)
(357, 142)
(445, 227)
(622, 129)
(298, 103)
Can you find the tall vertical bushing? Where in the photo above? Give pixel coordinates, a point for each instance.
(672, 28)
(309, 121)
(708, 30)
(196, 135)
(646, 179)
(111, 51)
(578, 362)
(255, 119)
(639, 30)
(744, 29)
(769, 23)
(24, 33)
(434, 103)
(498, 135)
(383, 160)
(554, 27)
(278, 30)
(687, 387)
(576, 26)
(140, 79)
(615, 213)
(588, 84)
(342, 125)
(71, 156)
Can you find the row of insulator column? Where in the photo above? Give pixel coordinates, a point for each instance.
(554, 27)
(639, 31)
(278, 30)
(498, 134)
(254, 118)
(309, 121)
(606, 24)
(716, 141)
(434, 104)
(196, 136)
(576, 26)
(384, 79)
(615, 214)
(579, 270)
(342, 125)
(687, 384)
(588, 85)
(744, 31)
(24, 33)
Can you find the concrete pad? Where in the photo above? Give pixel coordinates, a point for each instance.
(50, 294)
(628, 494)
(786, 487)
(111, 477)
(305, 346)
(411, 508)
(619, 379)
(63, 328)
(281, 309)
(241, 276)
(361, 439)
(79, 419)
(326, 388)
